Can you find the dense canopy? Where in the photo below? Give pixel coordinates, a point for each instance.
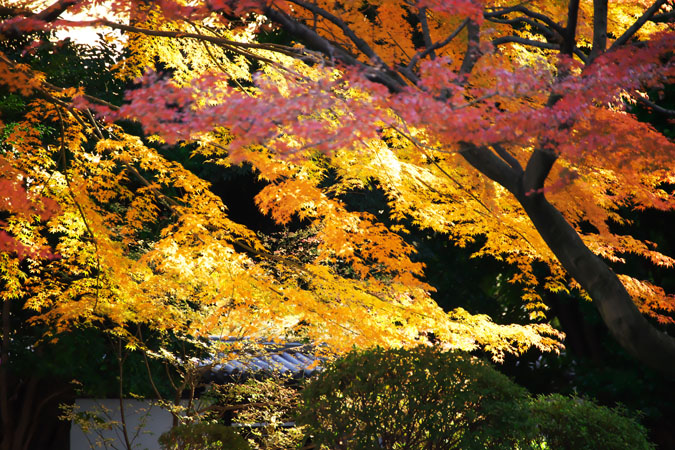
(503, 122)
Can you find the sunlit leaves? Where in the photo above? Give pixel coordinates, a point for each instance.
(142, 239)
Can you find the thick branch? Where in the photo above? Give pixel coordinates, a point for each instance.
(53, 12)
(348, 32)
(630, 32)
(422, 15)
(663, 18)
(525, 41)
(508, 157)
(651, 105)
(522, 9)
(538, 167)
(472, 48)
(490, 165)
(599, 28)
(49, 14)
(569, 36)
(624, 321)
(536, 26)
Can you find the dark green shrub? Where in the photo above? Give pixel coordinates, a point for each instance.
(421, 398)
(566, 423)
(202, 436)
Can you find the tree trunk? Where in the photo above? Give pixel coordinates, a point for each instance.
(5, 413)
(625, 322)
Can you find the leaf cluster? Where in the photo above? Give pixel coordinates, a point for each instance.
(202, 436)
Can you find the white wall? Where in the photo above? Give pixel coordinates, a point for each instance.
(145, 423)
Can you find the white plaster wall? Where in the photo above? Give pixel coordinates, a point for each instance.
(145, 423)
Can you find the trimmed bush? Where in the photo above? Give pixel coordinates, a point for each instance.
(202, 436)
(414, 399)
(566, 423)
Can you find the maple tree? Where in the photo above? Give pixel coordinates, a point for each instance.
(459, 111)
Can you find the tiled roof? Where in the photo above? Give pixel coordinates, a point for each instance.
(266, 358)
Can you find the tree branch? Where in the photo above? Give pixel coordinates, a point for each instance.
(349, 33)
(624, 321)
(543, 30)
(472, 48)
(509, 158)
(230, 44)
(437, 45)
(323, 45)
(422, 16)
(599, 28)
(53, 12)
(628, 34)
(538, 167)
(663, 18)
(650, 104)
(490, 165)
(522, 9)
(49, 14)
(525, 41)
(569, 36)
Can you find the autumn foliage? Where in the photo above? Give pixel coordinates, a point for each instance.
(504, 121)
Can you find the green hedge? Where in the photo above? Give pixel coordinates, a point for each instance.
(202, 436)
(566, 423)
(424, 398)
(415, 399)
